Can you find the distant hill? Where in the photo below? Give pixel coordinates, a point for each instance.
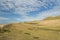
(52, 18)
(47, 29)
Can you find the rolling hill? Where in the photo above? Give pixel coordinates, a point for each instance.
(47, 29)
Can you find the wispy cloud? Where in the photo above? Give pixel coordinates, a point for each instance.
(3, 18)
(28, 10)
(24, 6)
(54, 12)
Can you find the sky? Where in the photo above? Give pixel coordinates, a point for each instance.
(27, 10)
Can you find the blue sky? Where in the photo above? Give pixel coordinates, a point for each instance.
(27, 10)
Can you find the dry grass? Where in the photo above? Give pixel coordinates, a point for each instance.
(36, 30)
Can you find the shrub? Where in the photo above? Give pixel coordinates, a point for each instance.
(4, 30)
(36, 37)
(28, 33)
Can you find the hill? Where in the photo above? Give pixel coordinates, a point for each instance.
(48, 29)
(52, 18)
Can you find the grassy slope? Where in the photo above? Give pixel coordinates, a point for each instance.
(36, 30)
(53, 18)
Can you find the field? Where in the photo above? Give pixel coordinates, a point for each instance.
(47, 29)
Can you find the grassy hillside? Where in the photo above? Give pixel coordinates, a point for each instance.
(52, 18)
(36, 30)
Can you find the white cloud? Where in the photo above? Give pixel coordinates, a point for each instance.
(25, 18)
(54, 12)
(23, 6)
(3, 18)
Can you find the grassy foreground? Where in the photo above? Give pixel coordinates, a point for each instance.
(46, 29)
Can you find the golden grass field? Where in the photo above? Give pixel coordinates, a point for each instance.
(47, 29)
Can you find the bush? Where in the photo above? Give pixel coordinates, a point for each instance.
(2, 30)
(36, 37)
(28, 33)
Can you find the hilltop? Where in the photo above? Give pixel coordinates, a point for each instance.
(52, 18)
(47, 29)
